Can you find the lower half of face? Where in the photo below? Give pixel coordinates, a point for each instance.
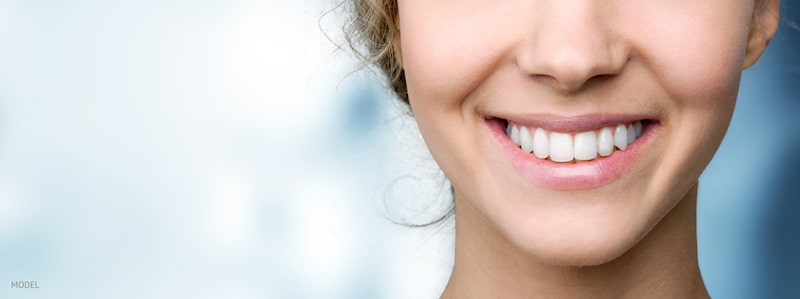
(573, 157)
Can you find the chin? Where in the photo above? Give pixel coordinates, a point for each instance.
(572, 228)
(582, 253)
(581, 246)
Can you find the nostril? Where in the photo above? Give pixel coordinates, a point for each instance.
(572, 81)
(568, 63)
(572, 74)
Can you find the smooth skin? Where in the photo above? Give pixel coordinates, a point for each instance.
(676, 61)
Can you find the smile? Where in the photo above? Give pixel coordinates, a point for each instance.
(580, 146)
(576, 152)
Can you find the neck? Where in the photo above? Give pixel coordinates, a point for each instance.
(662, 265)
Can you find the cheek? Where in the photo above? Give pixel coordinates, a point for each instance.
(697, 63)
(447, 57)
(449, 51)
(697, 57)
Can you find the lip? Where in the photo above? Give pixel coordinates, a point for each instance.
(578, 175)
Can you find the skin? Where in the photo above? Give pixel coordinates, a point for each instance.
(678, 62)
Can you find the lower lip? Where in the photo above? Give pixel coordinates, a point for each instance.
(571, 176)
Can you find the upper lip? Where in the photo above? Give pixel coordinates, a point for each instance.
(572, 123)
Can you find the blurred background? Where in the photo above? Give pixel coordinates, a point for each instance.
(225, 149)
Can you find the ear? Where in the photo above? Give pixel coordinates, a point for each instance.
(763, 26)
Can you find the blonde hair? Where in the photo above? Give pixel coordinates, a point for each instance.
(371, 33)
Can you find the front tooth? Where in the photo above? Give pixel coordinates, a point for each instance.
(561, 149)
(541, 143)
(621, 137)
(631, 134)
(637, 127)
(605, 142)
(515, 134)
(585, 146)
(525, 139)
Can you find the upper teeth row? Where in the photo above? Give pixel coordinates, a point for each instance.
(583, 146)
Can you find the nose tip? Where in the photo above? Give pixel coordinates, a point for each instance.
(570, 68)
(569, 46)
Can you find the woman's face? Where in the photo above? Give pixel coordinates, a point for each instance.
(528, 105)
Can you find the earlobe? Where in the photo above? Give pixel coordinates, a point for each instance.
(763, 26)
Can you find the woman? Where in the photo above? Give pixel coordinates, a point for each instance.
(573, 132)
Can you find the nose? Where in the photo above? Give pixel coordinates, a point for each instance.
(570, 42)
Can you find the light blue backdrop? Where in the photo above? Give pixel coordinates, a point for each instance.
(748, 224)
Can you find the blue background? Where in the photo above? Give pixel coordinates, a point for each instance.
(748, 229)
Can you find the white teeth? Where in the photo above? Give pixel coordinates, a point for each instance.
(605, 142)
(621, 137)
(631, 134)
(541, 143)
(525, 140)
(561, 148)
(582, 146)
(515, 134)
(637, 127)
(585, 146)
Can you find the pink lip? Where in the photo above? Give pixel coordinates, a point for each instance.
(572, 176)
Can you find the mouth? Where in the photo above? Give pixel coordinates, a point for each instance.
(573, 153)
(573, 147)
